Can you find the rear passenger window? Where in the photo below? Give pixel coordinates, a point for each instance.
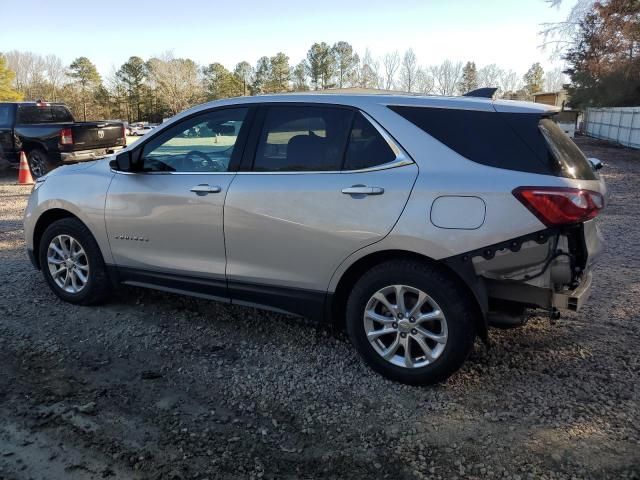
(367, 148)
(302, 138)
(31, 114)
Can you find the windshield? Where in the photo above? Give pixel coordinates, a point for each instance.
(570, 159)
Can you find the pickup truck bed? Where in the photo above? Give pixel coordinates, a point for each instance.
(49, 136)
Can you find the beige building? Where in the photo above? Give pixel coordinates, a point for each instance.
(556, 99)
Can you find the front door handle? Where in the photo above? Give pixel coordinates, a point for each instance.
(363, 190)
(205, 189)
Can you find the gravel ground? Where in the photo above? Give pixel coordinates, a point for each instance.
(157, 386)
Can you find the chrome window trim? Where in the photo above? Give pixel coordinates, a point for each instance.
(401, 162)
(385, 166)
(172, 173)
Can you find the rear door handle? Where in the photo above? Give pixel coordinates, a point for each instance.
(205, 189)
(363, 190)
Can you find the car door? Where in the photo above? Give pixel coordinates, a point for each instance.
(165, 219)
(323, 182)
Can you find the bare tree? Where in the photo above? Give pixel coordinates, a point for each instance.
(408, 71)
(244, 72)
(20, 63)
(554, 80)
(178, 80)
(510, 82)
(559, 35)
(424, 81)
(489, 76)
(368, 71)
(391, 62)
(29, 68)
(446, 77)
(56, 75)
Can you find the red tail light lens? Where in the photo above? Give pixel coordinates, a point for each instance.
(66, 136)
(560, 206)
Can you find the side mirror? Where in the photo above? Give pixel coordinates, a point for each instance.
(596, 163)
(122, 162)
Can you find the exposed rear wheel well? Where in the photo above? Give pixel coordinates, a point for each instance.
(355, 271)
(46, 219)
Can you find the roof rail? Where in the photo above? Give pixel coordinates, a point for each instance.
(487, 92)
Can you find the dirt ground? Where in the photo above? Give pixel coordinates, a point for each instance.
(158, 386)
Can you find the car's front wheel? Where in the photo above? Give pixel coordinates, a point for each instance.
(72, 263)
(411, 321)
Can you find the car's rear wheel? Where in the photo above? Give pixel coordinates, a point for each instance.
(72, 263)
(39, 163)
(411, 322)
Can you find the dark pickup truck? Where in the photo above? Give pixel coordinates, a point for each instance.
(49, 136)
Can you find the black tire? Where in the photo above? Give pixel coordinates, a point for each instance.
(98, 286)
(39, 163)
(453, 300)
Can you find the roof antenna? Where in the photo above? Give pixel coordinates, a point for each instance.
(486, 92)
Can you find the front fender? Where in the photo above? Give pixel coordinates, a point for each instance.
(80, 192)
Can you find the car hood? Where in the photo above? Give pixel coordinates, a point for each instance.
(102, 163)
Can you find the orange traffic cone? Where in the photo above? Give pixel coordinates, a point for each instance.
(24, 174)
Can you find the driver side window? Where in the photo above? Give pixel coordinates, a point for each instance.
(204, 143)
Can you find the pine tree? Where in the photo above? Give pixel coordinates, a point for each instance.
(87, 78)
(322, 65)
(133, 74)
(534, 79)
(469, 80)
(346, 62)
(261, 76)
(279, 73)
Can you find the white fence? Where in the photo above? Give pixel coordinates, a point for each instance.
(620, 125)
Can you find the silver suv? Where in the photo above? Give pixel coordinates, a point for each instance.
(414, 221)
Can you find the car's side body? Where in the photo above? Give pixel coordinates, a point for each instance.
(292, 240)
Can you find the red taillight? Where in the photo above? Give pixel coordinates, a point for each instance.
(559, 206)
(66, 136)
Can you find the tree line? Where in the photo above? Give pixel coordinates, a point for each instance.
(604, 55)
(158, 87)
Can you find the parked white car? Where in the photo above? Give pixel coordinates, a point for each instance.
(140, 130)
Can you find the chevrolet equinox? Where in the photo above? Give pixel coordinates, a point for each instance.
(415, 221)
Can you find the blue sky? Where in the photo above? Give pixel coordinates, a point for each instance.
(486, 31)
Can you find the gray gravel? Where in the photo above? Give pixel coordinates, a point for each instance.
(158, 386)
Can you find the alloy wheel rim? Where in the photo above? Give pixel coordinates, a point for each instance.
(35, 162)
(68, 263)
(405, 326)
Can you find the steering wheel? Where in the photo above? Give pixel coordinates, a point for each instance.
(203, 164)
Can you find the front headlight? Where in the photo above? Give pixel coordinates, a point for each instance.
(39, 182)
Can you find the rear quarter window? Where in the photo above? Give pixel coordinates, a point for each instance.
(513, 141)
(366, 147)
